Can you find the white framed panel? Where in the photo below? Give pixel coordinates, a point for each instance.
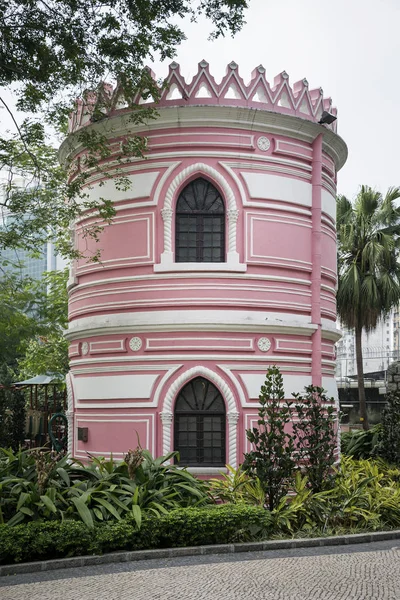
(291, 383)
(328, 204)
(141, 186)
(274, 187)
(114, 387)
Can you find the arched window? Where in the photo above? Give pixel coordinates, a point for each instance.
(200, 224)
(200, 424)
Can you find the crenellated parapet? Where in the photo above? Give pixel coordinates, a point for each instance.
(259, 94)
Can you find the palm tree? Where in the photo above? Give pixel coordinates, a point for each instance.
(368, 234)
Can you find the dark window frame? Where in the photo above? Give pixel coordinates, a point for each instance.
(205, 422)
(200, 224)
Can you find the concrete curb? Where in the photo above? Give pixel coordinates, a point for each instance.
(137, 555)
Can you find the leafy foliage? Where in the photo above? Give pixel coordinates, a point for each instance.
(48, 351)
(314, 433)
(362, 444)
(42, 485)
(368, 235)
(12, 411)
(236, 487)
(180, 527)
(389, 443)
(32, 321)
(50, 46)
(222, 524)
(51, 52)
(366, 497)
(271, 461)
(17, 319)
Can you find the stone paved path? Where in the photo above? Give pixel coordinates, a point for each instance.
(362, 572)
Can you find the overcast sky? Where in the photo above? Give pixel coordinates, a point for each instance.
(350, 48)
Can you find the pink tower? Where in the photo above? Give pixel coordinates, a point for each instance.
(220, 261)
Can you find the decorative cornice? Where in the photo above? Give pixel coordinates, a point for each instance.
(203, 116)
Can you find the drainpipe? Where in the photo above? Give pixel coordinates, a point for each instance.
(316, 182)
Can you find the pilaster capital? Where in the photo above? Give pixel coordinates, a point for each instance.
(166, 214)
(166, 417)
(232, 417)
(233, 215)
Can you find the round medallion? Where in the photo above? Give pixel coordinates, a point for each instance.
(263, 143)
(135, 344)
(264, 344)
(85, 348)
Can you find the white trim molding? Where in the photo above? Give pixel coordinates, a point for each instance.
(203, 372)
(166, 419)
(232, 412)
(194, 320)
(70, 413)
(167, 262)
(232, 418)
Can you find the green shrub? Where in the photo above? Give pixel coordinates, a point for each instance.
(271, 459)
(223, 524)
(315, 438)
(237, 487)
(361, 444)
(184, 527)
(389, 443)
(41, 541)
(276, 454)
(365, 497)
(12, 410)
(38, 485)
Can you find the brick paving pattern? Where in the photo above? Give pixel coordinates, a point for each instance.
(364, 572)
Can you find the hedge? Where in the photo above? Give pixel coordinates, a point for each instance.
(182, 527)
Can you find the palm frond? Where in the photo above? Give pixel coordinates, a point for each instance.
(368, 253)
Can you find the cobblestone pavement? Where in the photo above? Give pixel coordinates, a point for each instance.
(362, 572)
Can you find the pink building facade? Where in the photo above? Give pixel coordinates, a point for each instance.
(220, 262)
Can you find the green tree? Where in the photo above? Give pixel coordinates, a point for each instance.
(12, 411)
(315, 438)
(48, 351)
(52, 51)
(33, 317)
(271, 459)
(17, 321)
(368, 269)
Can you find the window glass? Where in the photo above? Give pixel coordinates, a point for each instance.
(200, 224)
(200, 424)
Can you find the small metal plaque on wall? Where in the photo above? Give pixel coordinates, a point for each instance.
(83, 434)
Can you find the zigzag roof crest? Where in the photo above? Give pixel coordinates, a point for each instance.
(297, 100)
